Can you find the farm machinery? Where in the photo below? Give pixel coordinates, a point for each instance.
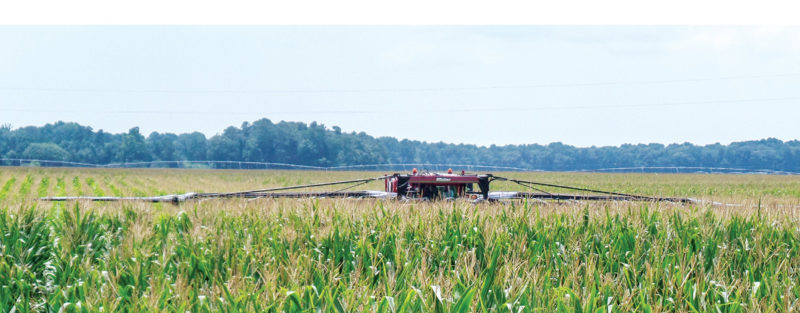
(422, 186)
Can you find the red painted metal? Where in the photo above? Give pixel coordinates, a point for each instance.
(443, 179)
(432, 185)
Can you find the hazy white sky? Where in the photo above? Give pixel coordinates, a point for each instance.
(581, 85)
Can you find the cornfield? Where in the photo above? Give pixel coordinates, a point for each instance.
(347, 255)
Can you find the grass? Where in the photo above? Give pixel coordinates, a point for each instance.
(340, 255)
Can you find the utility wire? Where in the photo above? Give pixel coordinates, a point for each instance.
(370, 90)
(454, 110)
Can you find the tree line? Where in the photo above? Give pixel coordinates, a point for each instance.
(317, 145)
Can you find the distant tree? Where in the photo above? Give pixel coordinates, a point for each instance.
(162, 146)
(11, 154)
(193, 146)
(259, 141)
(222, 148)
(45, 151)
(5, 131)
(134, 147)
(314, 144)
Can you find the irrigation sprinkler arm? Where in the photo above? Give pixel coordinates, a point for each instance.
(166, 198)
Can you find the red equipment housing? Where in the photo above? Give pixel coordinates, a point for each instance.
(434, 186)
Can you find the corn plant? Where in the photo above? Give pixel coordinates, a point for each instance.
(347, 255)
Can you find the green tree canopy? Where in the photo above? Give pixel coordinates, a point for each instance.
(317, 145)
(45, 151)
(134, 147)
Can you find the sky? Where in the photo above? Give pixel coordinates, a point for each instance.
(484, 85)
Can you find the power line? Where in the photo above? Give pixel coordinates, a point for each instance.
(379, 90)
(454, 110)
(611, 106)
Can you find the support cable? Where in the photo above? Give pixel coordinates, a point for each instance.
(521, 182)
(257, 191)
(534, 188)
(346, 188)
